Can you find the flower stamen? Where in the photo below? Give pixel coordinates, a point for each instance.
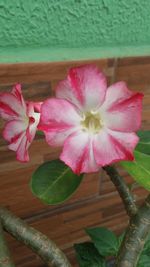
(91, 122)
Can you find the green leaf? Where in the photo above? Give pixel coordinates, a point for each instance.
(146, 249)
(144, 143)
(144, 261)
(88, 256)
(144, 136)
(53, 182)
(104, 240)
(139, 168)
(120, 239)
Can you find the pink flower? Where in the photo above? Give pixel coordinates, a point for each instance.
(94, 124)
(22, 122)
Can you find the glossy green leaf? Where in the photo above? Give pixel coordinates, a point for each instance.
(104, 240)
(139, 169)
(88, 256)
(54, 182)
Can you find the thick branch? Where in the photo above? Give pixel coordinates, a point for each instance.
(33, 239)
(123, 190)
(5, 258)
(135, 237)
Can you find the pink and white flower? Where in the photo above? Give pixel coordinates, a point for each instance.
(22, 121)
(94, 124)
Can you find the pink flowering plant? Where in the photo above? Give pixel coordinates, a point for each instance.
(22, 121)
(96, 126)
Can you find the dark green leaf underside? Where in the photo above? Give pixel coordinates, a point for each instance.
(88, 256)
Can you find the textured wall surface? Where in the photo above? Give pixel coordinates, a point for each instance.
(79, 24)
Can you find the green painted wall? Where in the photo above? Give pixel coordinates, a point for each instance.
(43, 30)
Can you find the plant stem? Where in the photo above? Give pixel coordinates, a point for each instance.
(135, 237)
(5, 259)
(33, 239)
(123, 190)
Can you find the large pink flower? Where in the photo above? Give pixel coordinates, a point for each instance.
(94, 124)
(22, 122)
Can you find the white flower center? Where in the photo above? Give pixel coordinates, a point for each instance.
(91, 122)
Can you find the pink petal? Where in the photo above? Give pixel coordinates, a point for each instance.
(34, 119)
(59, 118)
(15, 133)
(64, 90)
(18, 94)
(78, 153)
(124, 116)
(116, 93)
(16, 141)
(111, 146)
(57, 137)
(21, 147)
(12, 105)
(6, 112)
(33, 126)
(37, 106)
(85, 87)
(13, 129)
(7, 109)
(16, 91)
(20, 144)
(22, 151)
(33, 106)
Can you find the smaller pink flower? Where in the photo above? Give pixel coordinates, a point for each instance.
(95, 125)
(22, 122)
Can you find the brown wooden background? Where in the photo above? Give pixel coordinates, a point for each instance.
(96, 203)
